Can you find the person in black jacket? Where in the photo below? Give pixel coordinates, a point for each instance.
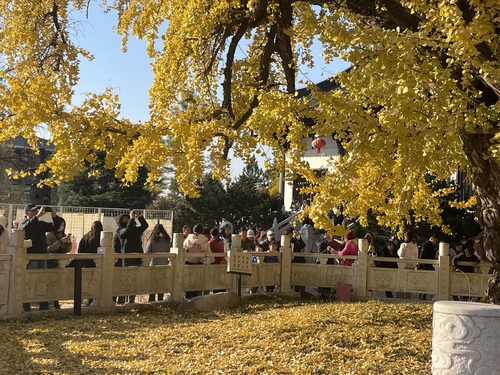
(128, 239)
(298, 246)
(90, 242)
(389, 251)
(132, 237)
(428, 251)
(467, 256)
(118, 245)
(34, 230)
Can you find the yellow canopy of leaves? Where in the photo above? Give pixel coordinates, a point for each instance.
(423, 75)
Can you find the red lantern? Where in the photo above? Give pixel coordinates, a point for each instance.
(318, 144)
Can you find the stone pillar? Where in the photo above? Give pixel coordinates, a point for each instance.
(178, 267)
(363, 245)
(236, 242)
(235, 278)
(17, 271)
(465, 338)
(444, 272)
(107, 269)
(362, 269)
(286, 264)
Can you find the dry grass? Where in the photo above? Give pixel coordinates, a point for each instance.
(265, 335)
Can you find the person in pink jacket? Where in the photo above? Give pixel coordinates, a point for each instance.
(350, 248)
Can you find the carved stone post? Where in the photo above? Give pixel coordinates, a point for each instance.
(17, 272)
(286, 264)
(178, 267)
(465, 338)
(444, 272)
(235, 278)
(107, 269)
(362, 269)
(236, 242)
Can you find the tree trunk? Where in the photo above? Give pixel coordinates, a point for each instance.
(485, 175)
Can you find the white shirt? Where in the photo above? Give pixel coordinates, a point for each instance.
(408, 250)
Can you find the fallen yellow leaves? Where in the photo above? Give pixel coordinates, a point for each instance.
(265, 335)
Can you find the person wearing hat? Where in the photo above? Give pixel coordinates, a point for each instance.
(269, 236)
(34, 230)
(350, 248)
(4, 235)
(247, 239)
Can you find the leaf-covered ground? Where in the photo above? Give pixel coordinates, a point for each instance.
(265, 335)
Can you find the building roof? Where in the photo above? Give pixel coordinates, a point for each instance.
(21, 142)
(327, 85)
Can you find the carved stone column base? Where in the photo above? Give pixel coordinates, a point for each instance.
(465, 338)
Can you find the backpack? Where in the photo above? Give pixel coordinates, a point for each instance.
(195, 247)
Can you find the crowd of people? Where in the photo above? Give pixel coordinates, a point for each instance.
(218, 240)
(47, 232)
(461, 251)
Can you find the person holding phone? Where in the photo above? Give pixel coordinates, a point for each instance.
(128, 239)
(58, 242)
(34, 230)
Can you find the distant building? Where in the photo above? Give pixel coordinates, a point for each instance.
(25, 159)
(316, 159)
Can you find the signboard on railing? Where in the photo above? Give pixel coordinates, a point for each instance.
(239, 262)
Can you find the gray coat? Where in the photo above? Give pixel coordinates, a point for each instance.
(162, 245)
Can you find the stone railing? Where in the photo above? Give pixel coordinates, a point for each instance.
(19, 285)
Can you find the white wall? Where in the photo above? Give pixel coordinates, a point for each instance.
(315, 161)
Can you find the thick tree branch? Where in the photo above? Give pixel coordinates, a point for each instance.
(284, 46)
(263, 78)
(228, 70)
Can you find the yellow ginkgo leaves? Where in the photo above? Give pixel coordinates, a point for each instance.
(268, 335)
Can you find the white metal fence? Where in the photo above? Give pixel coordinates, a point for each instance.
(79, 219)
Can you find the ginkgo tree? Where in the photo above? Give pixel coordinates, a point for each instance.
(421, 98)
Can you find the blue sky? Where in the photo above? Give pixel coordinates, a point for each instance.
(130, 73)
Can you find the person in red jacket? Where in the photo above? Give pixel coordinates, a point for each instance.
(216, 244)
(350, 248)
